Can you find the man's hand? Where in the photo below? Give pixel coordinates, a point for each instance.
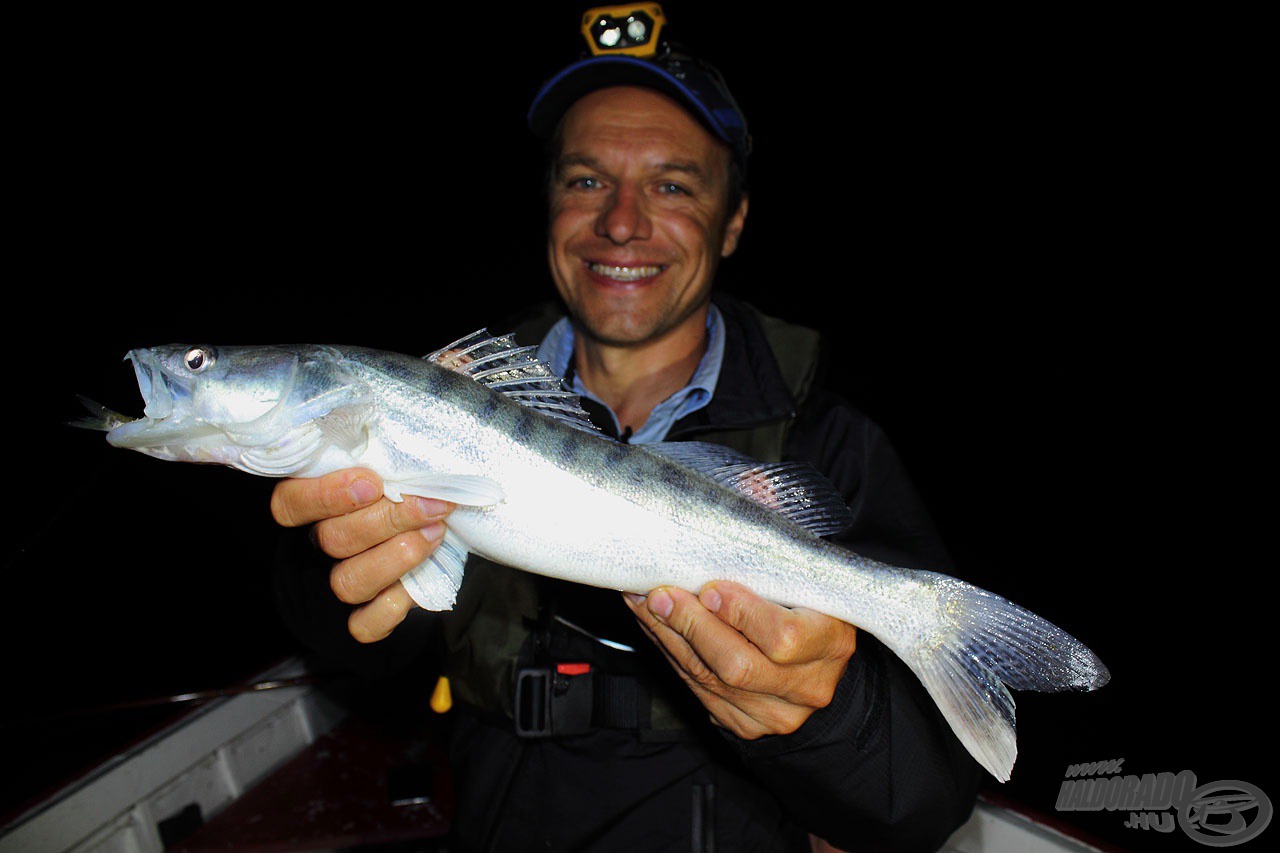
(758, 668)
(374, 539)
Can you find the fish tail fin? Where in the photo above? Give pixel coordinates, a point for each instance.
(986, 646)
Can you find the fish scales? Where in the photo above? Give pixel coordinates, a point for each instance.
(583, 473)
(484, 425)
(609, 469)
(736, 540)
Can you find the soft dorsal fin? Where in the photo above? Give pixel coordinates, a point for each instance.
(795, 489)
(515, 372)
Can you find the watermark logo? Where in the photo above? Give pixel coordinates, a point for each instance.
(1219, 814)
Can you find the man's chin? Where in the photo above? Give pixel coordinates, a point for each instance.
(618, 332)
(619, 327)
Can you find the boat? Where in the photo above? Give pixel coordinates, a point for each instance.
(294, 760)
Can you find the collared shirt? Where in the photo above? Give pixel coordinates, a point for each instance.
(557, 351)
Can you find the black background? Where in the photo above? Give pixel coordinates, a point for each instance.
(1029, 240)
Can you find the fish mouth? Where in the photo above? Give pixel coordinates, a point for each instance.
(164, 421)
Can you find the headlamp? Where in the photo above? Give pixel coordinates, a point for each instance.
(629, 48)
(632, 29)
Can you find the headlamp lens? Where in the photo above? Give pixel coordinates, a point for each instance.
(631, 30)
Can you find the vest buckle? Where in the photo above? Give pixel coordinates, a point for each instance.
(554, 700)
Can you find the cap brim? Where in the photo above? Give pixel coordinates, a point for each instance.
(597, 72)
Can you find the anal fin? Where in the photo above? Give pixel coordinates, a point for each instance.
(434, 583)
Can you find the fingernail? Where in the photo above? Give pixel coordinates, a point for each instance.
(363, 491)
(430, 507)
(634, 598)
(711, 600)
(660, 604)
(433, 532)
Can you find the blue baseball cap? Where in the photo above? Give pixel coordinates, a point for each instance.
(695, 84)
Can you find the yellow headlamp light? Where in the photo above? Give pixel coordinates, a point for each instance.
(631, 29)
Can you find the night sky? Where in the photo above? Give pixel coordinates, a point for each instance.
(1015, 233)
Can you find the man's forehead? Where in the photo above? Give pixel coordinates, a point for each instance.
(636, 117)
(629, 92)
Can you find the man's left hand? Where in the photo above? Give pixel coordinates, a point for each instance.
(757, 667)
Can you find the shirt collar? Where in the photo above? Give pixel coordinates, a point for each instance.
(557, 351)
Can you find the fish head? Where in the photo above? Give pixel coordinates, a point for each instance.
(204, 403)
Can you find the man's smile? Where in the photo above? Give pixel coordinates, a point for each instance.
(625, 274)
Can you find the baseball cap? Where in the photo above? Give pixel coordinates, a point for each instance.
(668, 68)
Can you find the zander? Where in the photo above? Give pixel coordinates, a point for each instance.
(484, 424)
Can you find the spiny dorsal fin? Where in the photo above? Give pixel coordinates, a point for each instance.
(795, 489)
(513, 371)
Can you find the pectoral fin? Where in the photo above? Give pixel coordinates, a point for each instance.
(466, 489)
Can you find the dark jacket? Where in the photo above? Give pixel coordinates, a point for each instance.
(878, 766)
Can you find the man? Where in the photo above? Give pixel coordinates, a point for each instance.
(779, 722)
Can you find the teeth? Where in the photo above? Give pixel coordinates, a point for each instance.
(625, 273)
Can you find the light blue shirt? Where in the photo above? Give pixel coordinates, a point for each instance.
(557, 350)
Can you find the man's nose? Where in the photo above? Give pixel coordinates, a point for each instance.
(624, 217)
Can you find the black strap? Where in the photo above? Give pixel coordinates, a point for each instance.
(550, 702)
(621, 702)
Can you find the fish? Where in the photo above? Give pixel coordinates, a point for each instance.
(483, 423)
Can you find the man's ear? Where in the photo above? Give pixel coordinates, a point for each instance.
(733, 229)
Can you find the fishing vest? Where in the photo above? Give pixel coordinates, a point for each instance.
(496, 636)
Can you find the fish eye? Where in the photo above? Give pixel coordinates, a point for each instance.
(198, 359)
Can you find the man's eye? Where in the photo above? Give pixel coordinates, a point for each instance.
(672, 189)
(584, 183)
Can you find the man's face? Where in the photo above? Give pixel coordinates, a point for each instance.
(638, 218)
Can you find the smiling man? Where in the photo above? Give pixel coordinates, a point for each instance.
(685, 719)
(639, 220)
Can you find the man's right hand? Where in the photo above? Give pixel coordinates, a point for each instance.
(375, 541)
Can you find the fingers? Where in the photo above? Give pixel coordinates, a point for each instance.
(367, 527)
(360, 578)
(304, 501)
(715, 662)
(757, 667)
(377, 619)
(784, 635)
(698, 639)
(370, 576)
(375, 540)
(711, 692)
